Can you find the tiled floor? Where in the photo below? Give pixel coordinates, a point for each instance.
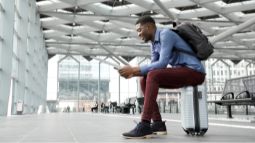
(96, 127)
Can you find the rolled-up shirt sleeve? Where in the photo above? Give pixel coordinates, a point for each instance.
(167, 41)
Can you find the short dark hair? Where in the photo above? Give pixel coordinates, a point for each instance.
(145, 19)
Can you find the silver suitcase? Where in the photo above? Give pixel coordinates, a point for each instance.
(194, 114)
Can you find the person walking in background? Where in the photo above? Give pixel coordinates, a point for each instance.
(68, 108)
(95, 108)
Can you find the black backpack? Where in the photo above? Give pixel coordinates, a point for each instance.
(196, 39)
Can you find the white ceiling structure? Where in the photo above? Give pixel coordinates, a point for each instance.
(107, 27)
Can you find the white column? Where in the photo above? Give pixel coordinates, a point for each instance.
(7, 24)
(21, 25)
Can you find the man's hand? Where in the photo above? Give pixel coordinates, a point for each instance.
(126, 72)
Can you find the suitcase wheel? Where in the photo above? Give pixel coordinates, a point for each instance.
(201, 133)
(187, 132)
(190, 132)
(193, 133)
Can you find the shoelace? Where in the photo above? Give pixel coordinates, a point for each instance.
(135, 122)
(138, 126)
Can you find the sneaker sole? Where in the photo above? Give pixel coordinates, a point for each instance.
(160, 133)
(142, 137)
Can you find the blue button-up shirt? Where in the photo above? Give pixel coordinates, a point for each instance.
(163, 53)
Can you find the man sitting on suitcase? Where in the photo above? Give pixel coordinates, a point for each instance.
(185, 70)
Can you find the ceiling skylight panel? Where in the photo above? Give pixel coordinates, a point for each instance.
(48, 2)
(49, 19)
(220, 3)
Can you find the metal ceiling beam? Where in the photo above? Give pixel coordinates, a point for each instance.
(71, 2)
(111, 53)
(235, 49)
(91, 54)
(107, 62)
(219, 10)
(92, 15)
(217, 54)
(236, 52)
(83, 46)
(233, 30)
(213, 56)
(165, 10)
(116, 61)
(95, 44)
(213, 7)
(239, 41)
(142, 60)
(88, 53)
(128, 18)
(99, 50)
(128, 45)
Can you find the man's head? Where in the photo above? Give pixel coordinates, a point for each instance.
(145, 27)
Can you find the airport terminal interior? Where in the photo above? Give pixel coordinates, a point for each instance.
(58, 77)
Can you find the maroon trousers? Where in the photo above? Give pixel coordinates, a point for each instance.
(170, 78)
